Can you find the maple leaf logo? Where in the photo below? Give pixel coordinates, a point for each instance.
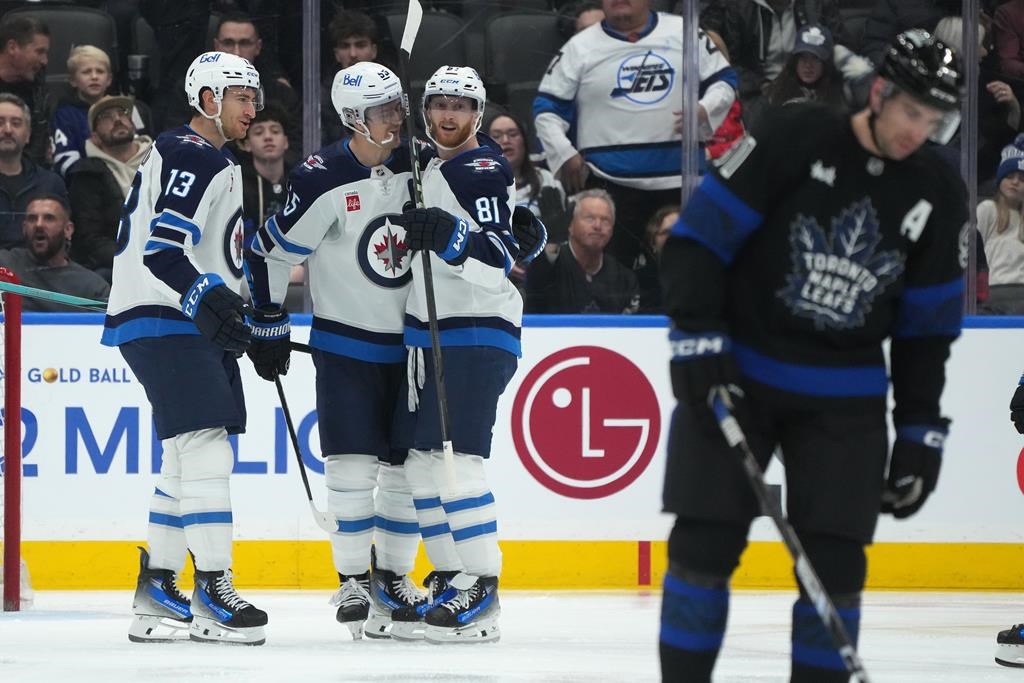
(835, 280)
(391, 250)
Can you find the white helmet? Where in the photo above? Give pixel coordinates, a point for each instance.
(455, 81)
(363, 86)
(219, 71)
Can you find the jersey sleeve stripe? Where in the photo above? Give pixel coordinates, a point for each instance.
(156, 244)
(725, 75)
(718, 219)
(275, 234)
(545, 103)
(625, 160)
(174, 221)
(934, 311)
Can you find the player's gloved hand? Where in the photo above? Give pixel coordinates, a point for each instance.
(218, 312)
(439, 231)
(271, 348)
(1017, 407)
(529, 232)
(702, 361)
(913, 467)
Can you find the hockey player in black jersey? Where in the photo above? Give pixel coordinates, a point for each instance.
(817, 237)
(1010, 643)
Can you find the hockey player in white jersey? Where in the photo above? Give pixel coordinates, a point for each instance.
(467, 233)
(342, 218)
(176, 315)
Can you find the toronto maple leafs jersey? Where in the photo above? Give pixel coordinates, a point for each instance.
(182, 217)
(477, 305)
(341, 218)
(809, 251)
(619, 97)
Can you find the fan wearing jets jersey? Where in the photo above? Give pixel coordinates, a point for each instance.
(176, 315)
(342, 218)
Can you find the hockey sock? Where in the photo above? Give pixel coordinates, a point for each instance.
(693, 619)
(350, 480)
(472, 517)
(397, 535)
(166, 534)
(206, 463)
(426, 497)
(815, 658)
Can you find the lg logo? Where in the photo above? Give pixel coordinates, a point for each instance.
(585, 422)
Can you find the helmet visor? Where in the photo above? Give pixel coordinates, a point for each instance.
(946, 128)
(245, 95)
(391, 112)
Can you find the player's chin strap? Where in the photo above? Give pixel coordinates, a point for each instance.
(216, 119)
(365, 132)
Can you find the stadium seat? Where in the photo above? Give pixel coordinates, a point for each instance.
(519, 49)
(69, 27)
(441, 41)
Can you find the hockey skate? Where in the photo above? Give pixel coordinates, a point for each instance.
(162, 612)
(220, 615)
(407, 621)
(353, 601)
(471, 616)
(1010, 646)
(389, 593)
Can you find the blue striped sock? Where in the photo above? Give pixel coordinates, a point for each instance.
(814, 656)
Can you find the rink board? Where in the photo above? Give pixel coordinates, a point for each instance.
(577, 466)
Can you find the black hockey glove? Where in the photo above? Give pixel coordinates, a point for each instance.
(702, 361)
(913, 468)
(529, 232)
(218, 312)
(439, 231)
(1017, 407)
(271, 348)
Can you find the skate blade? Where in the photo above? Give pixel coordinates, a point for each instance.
(355, 628)
(407, 630)
(483, 631)
(377, 627)
(1010, 655)
(154, 629)
(210, 631)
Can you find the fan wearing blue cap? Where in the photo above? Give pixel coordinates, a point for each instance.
(810, 73)
(1001, 226)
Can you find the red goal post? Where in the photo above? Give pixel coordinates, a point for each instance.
(10, 473)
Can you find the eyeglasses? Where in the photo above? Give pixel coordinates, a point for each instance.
(113, 113)
(244, 43)
(510, 134)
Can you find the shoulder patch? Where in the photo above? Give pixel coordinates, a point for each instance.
(193, 139)
(483, 165)
(314, 161)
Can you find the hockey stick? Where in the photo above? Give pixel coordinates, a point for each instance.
(721, 404)
(47, 295)
(412, 27)
(323, 520)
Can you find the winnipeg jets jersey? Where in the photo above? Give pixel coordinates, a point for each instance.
(342, 219)
(182, 218)
(477, 305)
(620, 98)
(810, 251)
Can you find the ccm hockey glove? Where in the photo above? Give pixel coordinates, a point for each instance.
(913, 468)
(529, 232)
(218, 312)
(701, 361)
(271, 348)
(1017, 407)
(439, 231)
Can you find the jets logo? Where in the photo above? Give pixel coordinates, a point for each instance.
(314, 161)
(644, 78)
(234, 244)
(193, 140)
(383, 256)
(483, 165)
(836, 278)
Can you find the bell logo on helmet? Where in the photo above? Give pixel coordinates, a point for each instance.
(210, 57)
(352, 80)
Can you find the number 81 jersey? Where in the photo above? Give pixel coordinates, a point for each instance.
(182, 218)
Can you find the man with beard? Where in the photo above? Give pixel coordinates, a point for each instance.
(100, 182)
(20, 177)
(44, 263)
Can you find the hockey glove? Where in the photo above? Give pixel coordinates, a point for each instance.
(701, 361)
(1017, 407)
(271, 348)
(218, 312)
(439, 231)
(913, 468)
(529, 232)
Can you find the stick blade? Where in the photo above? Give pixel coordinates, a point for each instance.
(323, 520)
(412, 26)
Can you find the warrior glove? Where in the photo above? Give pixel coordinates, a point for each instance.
(271, 348)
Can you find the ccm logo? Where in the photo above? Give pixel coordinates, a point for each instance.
(698, 346)
(195, 295)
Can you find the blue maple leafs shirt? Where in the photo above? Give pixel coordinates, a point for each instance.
(810, 252)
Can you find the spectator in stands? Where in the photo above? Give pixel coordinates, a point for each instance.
(24, 51)
(180, 27)
(576, 16)
(810, 75)
(889, 18)
(578, 276)
(90, 79)
(1008, 26)
(44, 262)
(646, 265)
(20, 176)
(100, 182)
(264, 172)
(354, 38)
(1001, 226)
(626, 139)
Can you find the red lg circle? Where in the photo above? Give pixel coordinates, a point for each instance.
(585, 422)
(1020, 470)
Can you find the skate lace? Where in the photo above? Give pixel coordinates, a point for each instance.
(462, 599)
(228, 595)
(352, 592)
(171, 588)
(408, 591)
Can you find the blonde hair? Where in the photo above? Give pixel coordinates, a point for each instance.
(83, 52)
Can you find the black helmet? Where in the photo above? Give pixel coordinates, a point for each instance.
(924, 68)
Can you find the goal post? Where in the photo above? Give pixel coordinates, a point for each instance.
(15, 580)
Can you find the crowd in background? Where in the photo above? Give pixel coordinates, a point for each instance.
(75, 126)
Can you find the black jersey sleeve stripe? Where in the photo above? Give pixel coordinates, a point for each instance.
(934, 311)
(718, 219)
